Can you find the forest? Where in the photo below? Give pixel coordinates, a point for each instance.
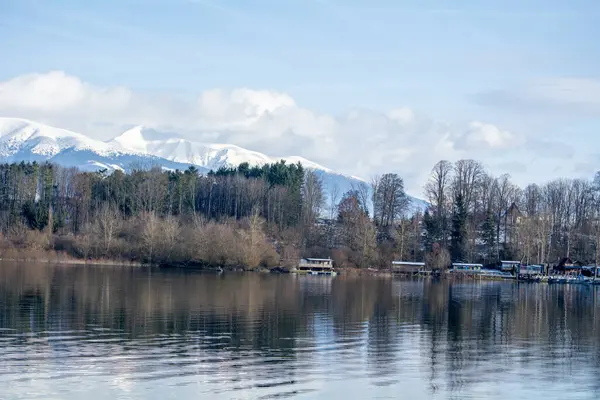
(249, 217)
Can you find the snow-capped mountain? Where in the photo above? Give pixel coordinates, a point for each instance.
(209, 155)
(171, 147)
(21, 137)
(23, 140)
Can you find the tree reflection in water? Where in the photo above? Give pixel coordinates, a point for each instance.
(282, 331)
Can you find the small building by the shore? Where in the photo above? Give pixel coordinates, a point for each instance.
(408, 267)
(325, 263)
(531, 270)
(510, 266)
(470, 268)
(567, 266)
(315, 266)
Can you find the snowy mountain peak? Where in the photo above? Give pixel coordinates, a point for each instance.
(142, 139)
(21, 135)
(132, 139)
(306, 163)
(21, 130)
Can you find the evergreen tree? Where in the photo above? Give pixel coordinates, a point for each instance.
(459, 230)
(432, 230)
(489, 236)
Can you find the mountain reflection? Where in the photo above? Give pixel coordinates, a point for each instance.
(448, 335)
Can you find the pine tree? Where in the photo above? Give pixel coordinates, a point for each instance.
(459, 230)
(432, 230)
(489, 235)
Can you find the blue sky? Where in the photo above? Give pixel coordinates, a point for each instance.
(530, 68)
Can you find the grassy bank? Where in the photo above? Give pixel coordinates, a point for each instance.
(56, 257)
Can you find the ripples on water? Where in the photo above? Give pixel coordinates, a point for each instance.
(119, 333)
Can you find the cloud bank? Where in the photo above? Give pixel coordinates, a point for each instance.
(359, 142)
(567, 96)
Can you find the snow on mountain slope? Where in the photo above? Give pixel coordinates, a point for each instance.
(23, 140)
(20, 137)
(209, 155)
(88, 160)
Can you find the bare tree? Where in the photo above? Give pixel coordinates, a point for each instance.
(487, 198)
(557, 202)
(438, 259)
(544, 225)
(375, 185)
(390, 200)
(505, 193)
(150, 234)
(255, 243)
(436, 188)
(533, 200)
(358, 231)
(437, 193)
(334, 195)
(170, 230)
(361, 191)
(528, 241)
(312, 197)
(108, 223)
(467, 176)
(401, 237)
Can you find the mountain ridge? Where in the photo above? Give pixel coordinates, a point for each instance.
(25, 140)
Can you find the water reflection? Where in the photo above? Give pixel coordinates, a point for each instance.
(103, 332)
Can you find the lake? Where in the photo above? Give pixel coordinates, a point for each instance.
(74, 332)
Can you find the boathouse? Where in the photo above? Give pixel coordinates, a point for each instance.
(408, 267)
(468, 268)
(315, 266)
(510, 266)
(316, 262)
(568, 266)
(531, 270)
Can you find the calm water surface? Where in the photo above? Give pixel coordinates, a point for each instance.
(120, 333)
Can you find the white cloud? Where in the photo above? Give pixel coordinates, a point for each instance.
(359, 142)
(480, 135)
(240, 106)
(403, 115)
(56, 92)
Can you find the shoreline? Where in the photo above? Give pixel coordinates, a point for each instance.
(96, 263)
(54, 257)
(59, 258)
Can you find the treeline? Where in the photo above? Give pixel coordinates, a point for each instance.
(274, 214)
(477, 217)
(150, 214)
(243, 216)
